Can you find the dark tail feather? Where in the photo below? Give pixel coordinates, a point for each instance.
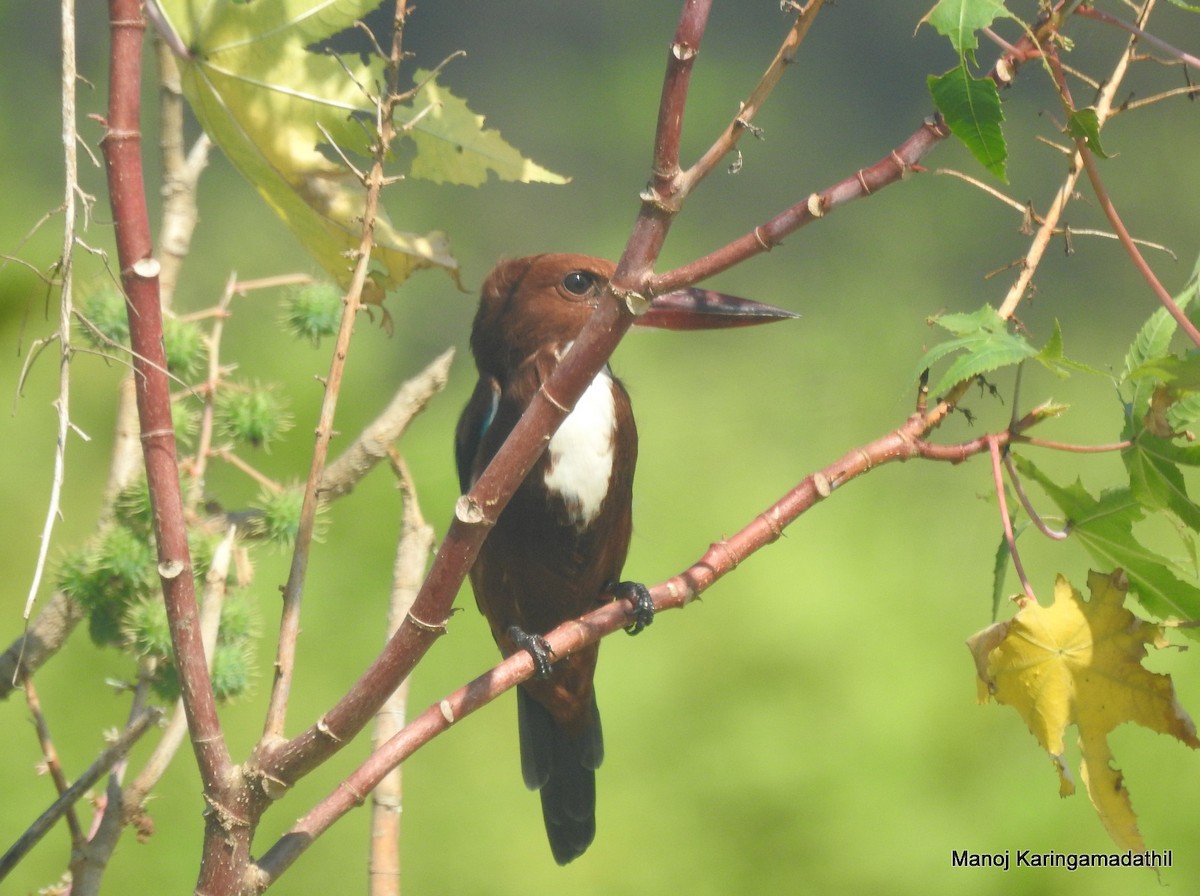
(562, 767)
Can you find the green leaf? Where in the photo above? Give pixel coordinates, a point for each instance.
(1053, 358)
(984, 342)
(1155, 478)
(1084, 124)
(454, 147)
(284, 115)
(971, 108)
(958, 20)
(1104, 526)
(1190, 7)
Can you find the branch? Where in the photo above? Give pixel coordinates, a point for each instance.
(105, 761)
(412, 552)
(122, 155)
(905, 443)
(282, 764)
(1106, 204)
(289, 624)
(380, 434)
(70, 139)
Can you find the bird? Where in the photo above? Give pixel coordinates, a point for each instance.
(558, 548)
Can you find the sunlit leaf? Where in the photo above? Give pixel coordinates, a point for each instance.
(290, 118)
(1080, 662)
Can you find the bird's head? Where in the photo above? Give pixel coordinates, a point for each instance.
(530, 303)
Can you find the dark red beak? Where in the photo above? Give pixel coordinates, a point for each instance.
(703, 309)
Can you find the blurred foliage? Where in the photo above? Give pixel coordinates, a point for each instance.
(811, 723)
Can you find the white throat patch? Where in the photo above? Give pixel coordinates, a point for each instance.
(581, 452)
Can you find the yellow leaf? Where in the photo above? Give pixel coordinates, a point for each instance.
(1080, 662)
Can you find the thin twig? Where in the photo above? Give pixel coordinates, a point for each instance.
(1106, 204)
(1002, 502)
(70, 140)
(50, 757)
(412, 553)
(105, 761)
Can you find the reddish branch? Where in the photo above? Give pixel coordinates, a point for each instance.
(285, 763)
(476, 511)
(905, 443)
(122, 155)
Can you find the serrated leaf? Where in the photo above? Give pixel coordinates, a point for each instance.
(971, 108)
(1155, 478)
(1079, 662)
(1104, 526)
(1153, 341)
(961, 323)
(1181, 374)
(958, 20)
(984, 342)
(454, 147)
(284, 114)
(272, 105)
(1084, 124)
(1053, 358)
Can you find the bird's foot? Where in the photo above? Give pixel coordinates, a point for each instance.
(536, 646)
(642, 612)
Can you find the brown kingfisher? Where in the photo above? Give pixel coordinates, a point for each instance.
(557, 549)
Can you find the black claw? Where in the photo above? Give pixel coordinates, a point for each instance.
(642, 613)
(537, 647)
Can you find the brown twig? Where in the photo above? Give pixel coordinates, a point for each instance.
(905, 443)
(425, 622)
(50, 757)
(1006, 519)
(109, 757)
(1106, 204)
(122, 155)
(375, 180)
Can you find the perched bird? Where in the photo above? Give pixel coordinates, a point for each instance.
(557, 549)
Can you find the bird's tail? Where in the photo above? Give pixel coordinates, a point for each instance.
(563, 767)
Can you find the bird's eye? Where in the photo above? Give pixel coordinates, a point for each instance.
(579, 283)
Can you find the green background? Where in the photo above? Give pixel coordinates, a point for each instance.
(812, 722)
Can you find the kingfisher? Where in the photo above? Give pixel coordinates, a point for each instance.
(558, 547)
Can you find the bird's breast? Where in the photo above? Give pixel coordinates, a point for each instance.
(580, 454)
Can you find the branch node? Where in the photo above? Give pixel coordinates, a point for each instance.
(469, 511)
(683, 52)
(935, 124)
(822, 484)
(816, 205)
(156, 434)
(359, 798)
(654, 199)
(633, 300)
(325, 731)
(170, 569)
(447, 711)
(146, 267)
(434, 628)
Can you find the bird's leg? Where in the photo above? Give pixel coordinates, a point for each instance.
(642, 612)
(536, 646)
